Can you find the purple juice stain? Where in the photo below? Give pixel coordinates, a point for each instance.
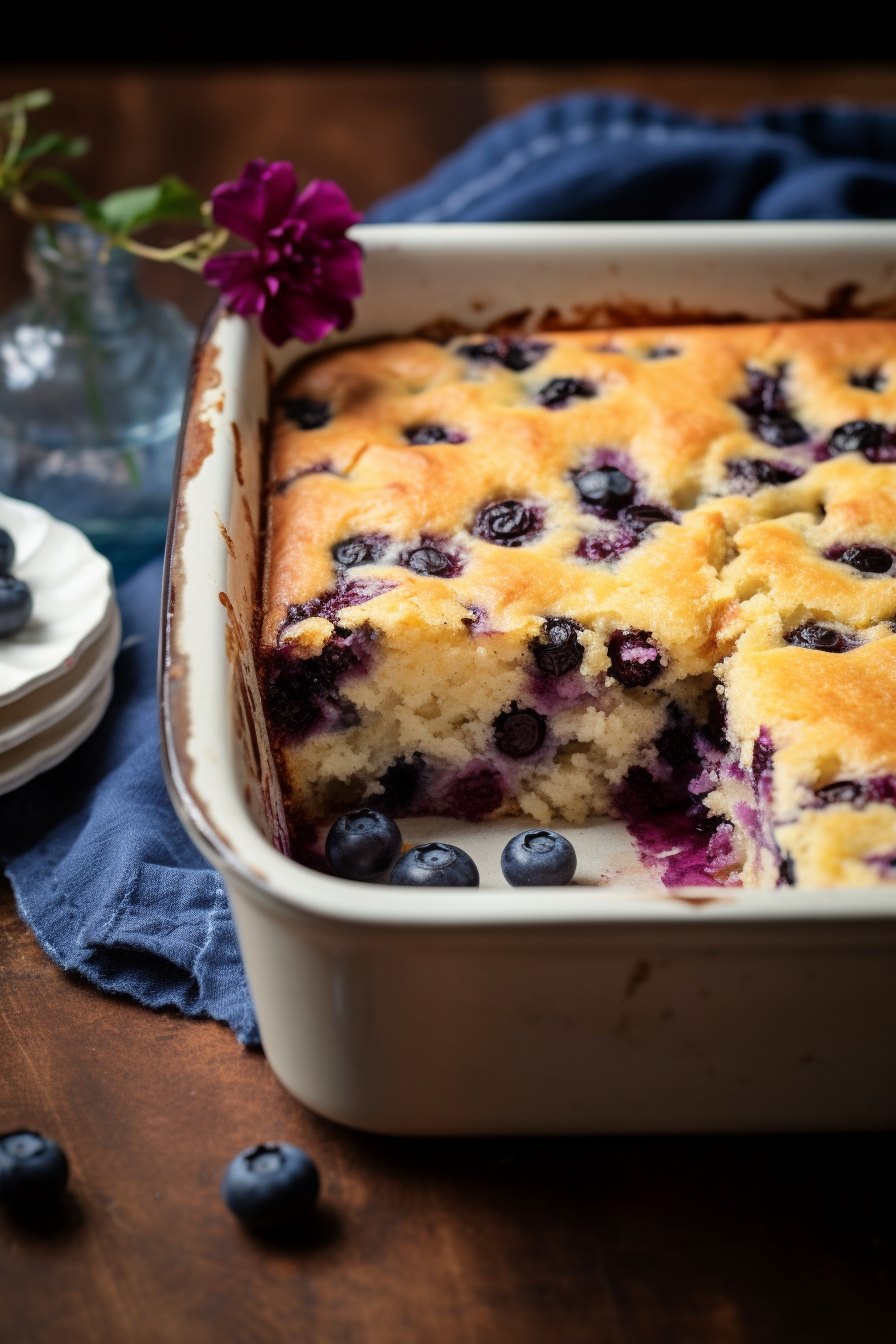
(519, 732)
(474, 795)
(420, 435)
(681, 849)
(753, 473)
(515, 353)
(865, 559)
(557, 650)
(822, 638)
(307, 413)
(299, 690)
(507, 522)
(607, 545)
(635, 659)
(766, 408)
(347, 593)
(559, 392)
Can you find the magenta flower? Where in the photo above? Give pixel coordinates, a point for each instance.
(303, 272)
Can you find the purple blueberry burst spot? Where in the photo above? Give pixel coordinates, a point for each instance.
(302, 273)
(516, 353)
(474, 794)
(508, 522)
(766, 408)
(559, 392)
(557, 650)
(866, 559)
(635, 659)
(519, 732)
(761, 765)
(420, 435)
(306, 412)
(820, 637)
(607, 545)
(432, 559)
(872, 439)
(363, 550)
(347, 593)
(752, 473)
(298, 691)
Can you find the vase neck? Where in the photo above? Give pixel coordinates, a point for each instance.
(76, 280)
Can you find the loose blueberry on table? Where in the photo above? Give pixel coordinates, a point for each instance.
(538, 859)
(271, 1186)
(362, 845)
(33, 1170)
(435, 865)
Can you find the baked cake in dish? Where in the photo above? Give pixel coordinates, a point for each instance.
(644, 573)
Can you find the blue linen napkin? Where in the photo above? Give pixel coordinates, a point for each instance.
(101, 868)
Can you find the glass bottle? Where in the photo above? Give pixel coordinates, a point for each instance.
(92, 381)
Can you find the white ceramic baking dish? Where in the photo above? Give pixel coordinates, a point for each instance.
(592, 1008)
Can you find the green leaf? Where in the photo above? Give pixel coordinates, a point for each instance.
(25, 102)
(126, 211)
(54, 142)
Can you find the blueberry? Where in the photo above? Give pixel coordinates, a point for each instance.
(307, 413)
(15, 604)
(33, 1170)
(606, 488)
(855, 436)
(519, 732)
(866, 559)
(7, 551)
(786, 872)
(662, 352)
(362, 845)
(354, 551)
(824, 638)
(558, 651)
(641, 516)
(538, 859)
(872, 380)
(757, 471)
(515, 354)
(505, 522)
(560, 391)
(435, 865)
(430, 433)
(779, 431)
(271, 1186)
(843, 791)
(607, 545)
(475, 795)
(769, 414)
(427, 560)
(634, 658)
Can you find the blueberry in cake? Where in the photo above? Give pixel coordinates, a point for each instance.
(644, 573)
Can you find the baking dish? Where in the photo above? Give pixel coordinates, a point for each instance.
(592, 1008)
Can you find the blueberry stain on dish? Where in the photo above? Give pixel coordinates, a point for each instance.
(306, 412)
(506, 522)
(362, 550)
(635, 659)
(271, 1186)
(767, 410)
(33, 1170)
(823, 638)
(516, 354)
(865, 559)
(538, 859)
(421, 435)
(435, 865)
(519, 732)
(362, 845)
(16, 604)
(605, 488)
(559, 392)
(557, 650)
(754, 472)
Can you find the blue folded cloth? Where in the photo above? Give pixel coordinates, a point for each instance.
(101, 868)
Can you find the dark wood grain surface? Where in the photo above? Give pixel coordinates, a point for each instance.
(753, 1240)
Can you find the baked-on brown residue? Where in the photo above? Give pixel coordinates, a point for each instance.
(237, 452)
(841, 302)
(199, 435)
(226, 535)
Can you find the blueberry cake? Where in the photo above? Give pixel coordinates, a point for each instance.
(643, 573)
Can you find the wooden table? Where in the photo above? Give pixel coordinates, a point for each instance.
(731, 1240)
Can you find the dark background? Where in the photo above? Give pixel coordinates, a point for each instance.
(724, 1240)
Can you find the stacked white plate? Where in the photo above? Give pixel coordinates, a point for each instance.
(56, 673)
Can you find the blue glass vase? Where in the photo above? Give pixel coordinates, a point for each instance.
(92, 381)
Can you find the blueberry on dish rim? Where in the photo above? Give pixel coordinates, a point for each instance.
(271, 1186)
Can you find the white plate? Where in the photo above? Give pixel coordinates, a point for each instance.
(35, 712)
(50, 747)
(71, 584)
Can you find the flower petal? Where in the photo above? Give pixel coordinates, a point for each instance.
(260, 199)
(240, 280)
(326, 208)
